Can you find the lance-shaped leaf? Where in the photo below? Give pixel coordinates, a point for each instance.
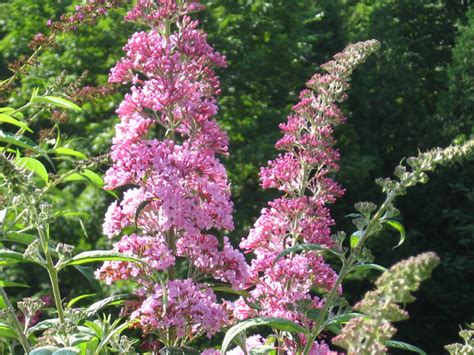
(24, 142)
(43, 325)
(86, 175)
(78, 298)
(276, 323)
(10, 111)
(14, 122)
(404, 346)
(228, 289)
(364, 267)
(35, 166)
(12, 284)
(97, 306)
(93, 256)
(305, 248)
(13, 255)
(70, 152)
(399, 227)
(7, 331)
(22, 238)
(56, 101)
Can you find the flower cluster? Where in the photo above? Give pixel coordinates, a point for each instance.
(87, 13)
(177, 188)
(303, 172)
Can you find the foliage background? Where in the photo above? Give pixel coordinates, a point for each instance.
(416, 93)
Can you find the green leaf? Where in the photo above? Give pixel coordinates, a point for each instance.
(304, 248)
(24, 142)
(7, 332)
(84, 335)
(46, 324)
(342, 318)
(35, 166)
(66, 213)
(70, 152)
(93, 256)
(15, 122)
(67, 351)
(78, 298)
(95, 307)
(94, 328)
(364, 267)
(44, 350)
(16, 237)
(109, 336)
(86, 175)
(12, 284)
(228, 289)
(56, 101)
(20, 141)
(10, 111)
(404, 346)
(10, 254)
(399, 227)
(277, 323)
(94, 177)
(263, 350)
(355, 239)
(313, 313)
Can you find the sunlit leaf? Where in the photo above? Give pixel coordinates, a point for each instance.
(12, 284)
(35, 166)
(7, 331)
(364, 267)
(43, 325)
(355, 239)
(93, 256)
(70, 152)
(10, 111)
(78, 298)
(24, 142)
(97, 306)
(56, 101)
(276, 323)
(399, 227)
(10, 254)
(304, 248)
(14, 122)
(404, 346)
(86, 175)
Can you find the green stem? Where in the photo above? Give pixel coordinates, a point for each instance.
(53, 275)
(21, 335)
(346, 269)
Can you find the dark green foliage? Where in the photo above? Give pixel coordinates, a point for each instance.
(272, 51)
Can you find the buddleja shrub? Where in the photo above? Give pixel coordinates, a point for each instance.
(175, 202)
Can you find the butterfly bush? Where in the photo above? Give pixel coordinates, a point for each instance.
(176, 192)
(303, 173)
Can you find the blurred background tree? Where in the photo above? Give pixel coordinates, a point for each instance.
(416, 93)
